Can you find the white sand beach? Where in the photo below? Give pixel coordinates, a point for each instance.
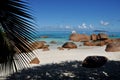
(57, 56)
(66, 65)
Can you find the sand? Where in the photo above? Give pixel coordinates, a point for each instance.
(66, 65)
(79, 54)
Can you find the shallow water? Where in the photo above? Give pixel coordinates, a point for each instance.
(63, 36)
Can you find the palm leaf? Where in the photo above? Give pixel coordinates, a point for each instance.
(16, 34)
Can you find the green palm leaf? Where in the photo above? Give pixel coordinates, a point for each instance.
(16, 34)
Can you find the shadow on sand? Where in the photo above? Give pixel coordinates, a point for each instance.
(69, 71)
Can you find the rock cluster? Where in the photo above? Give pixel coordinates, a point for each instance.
(100, 36)
(83, 37)
(40, 45)
(93, 40)
(79, 37)
(101, 39)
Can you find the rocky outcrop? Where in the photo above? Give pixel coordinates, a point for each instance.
(102, 36)
(38, 45)
(75, 37)
(88, 44)
(98, 40)
(99, 43)
(116, 40)
(107, 41)
(85, 38)
(43, 42)
(113, 47)
(43, 36)
(35, 61)
(93, 37)
(53, 42)
(45, 48)
(79, 37)
(69, 45)
(94, 43)
(94, 61)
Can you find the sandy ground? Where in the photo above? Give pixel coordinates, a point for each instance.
(66, 65)
(57, 56)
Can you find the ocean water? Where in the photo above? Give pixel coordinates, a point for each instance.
(59, 36)
(63, 36)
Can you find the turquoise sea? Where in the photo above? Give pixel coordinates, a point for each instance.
(63, 36)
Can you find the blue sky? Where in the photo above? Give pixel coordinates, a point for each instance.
(77, 14)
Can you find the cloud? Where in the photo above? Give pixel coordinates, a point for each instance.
(104, 23)
(68, 27)
(80, 27)
(91, 26)
(84, 25)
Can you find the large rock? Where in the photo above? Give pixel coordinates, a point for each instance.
(116, 40)
(38, 45)
(84, 37)
(94, 37)
(99, 43)
(102, 36)
(53, 42)
(75, 37)
(45, 48)
(35, 61)
(94, 61)
(94, 43)
(107, 41)
(113, 47)
(79, 37)
(43, 36)
(88, 44)
(69, 45)
(43, 42)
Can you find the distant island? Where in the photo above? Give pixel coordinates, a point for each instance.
(100, 31)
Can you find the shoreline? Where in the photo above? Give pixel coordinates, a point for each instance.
(79, 54)
(67, 64)
(85, 45)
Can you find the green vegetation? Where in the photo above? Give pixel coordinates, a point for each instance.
(16, 33)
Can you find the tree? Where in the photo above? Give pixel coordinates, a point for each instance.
(16, 34)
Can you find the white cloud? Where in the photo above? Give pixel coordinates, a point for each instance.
(84, 25)
(68, 27)
(91, 26)
(104, 23)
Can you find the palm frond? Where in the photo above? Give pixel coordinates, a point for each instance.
(18, 26)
